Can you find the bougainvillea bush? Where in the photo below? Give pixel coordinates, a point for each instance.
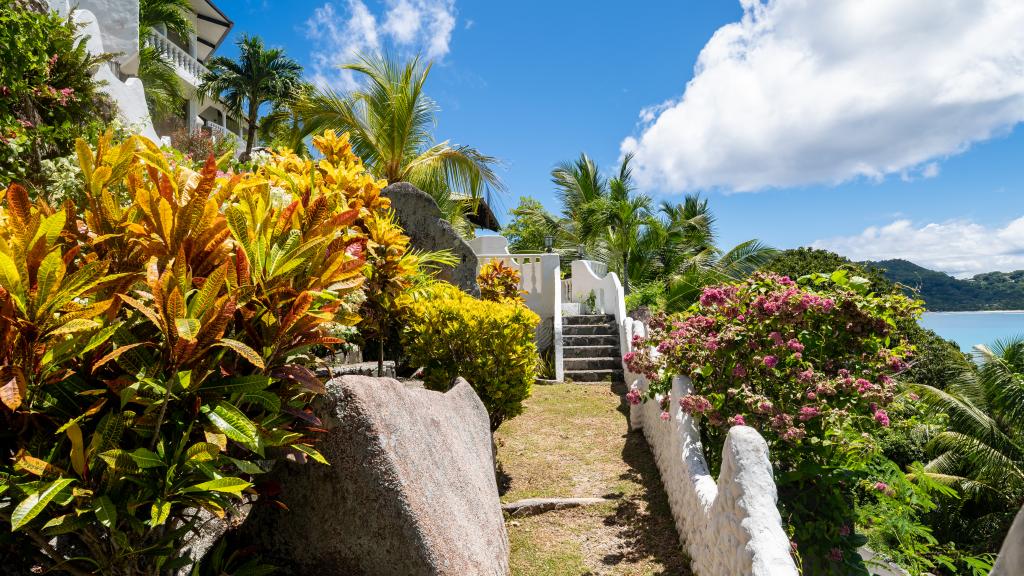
(812, 368)
(152, 344)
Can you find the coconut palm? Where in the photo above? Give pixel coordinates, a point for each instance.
(390, 119)
(982, 450)
(163, 89)
(260, 76)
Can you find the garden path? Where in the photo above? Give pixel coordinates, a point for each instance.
(573, 440)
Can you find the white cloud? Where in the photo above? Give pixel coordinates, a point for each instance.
(801, 92)
(959, 247)
(412, 26)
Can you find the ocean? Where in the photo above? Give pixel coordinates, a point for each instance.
(970, 328)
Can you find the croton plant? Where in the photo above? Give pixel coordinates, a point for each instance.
(152, 342)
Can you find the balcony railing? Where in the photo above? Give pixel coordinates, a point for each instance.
(191, 70)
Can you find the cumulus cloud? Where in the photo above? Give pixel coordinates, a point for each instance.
(414, 26)
(959, 247)
(804, 92)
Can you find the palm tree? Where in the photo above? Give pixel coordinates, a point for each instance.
(260, 75)
(163, 89)
(982, 450)
(390, 120)
(616, 215)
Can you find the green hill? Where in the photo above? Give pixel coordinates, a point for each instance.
(942, 292)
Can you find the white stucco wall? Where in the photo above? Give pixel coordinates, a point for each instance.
(119, 27)
(731, 527)
(129, 95)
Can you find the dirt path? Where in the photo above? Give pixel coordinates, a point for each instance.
(573, 441)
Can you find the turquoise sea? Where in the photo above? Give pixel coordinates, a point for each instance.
(970, 328)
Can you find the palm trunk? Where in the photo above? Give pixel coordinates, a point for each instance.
(625, 274)
(250, 138)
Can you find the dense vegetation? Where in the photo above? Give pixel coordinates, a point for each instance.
(664, 255)
(816, 368)
(48, 97)
(942, 292)
(156, 339)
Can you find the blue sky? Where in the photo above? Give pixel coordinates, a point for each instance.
(880, 128)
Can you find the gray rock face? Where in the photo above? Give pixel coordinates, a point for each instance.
(421, 219)
(1011, 556)
(410, 490)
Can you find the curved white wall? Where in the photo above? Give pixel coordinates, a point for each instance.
(732, 527)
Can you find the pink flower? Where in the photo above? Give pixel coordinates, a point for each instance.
(806, 375)
(770, 361)
(792, 434)
(863, 385)
(913, 397)
(844, 530)
(665, 415)
(809, 412)
(633, 396)
(764, 407)
(882, 418)
(835, 555)
(739, 371)
(737, 420)
(694, 404)
(629, 357)
(844, 373)
(776, 338)
(884, 489)
(795, 345)
(812, 396)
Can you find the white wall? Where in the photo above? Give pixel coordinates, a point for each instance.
(732, 527)
(129, 95)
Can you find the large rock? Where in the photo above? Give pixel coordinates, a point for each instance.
(410, 490)
(420, 217)
(1011, 556)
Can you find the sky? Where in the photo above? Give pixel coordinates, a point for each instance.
(875, 128)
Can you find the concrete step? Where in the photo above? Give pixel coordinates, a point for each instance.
(594, 375)
(588, 319)
(572, 364)
(605, 351)
(589, 339)
(589, 330)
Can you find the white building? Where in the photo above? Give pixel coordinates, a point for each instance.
(113, 26)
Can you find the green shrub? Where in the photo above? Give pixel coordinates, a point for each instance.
(650, 295)
(48, 97)
(490, 344)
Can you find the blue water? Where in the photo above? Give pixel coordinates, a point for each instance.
(970, 328)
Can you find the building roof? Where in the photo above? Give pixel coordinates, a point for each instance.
(212, 26)
(484, 217)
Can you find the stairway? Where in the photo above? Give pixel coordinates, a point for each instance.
(590, 348)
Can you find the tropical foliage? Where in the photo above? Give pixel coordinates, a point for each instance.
(260, 76)
(810, 367)
(499, 281)
(154, 343)
(669, 253)
(390, 121)
(491, 344)
(164, 95)
(981, 449)
(48, 96)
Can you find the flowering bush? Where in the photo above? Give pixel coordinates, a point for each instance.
(48, 96)
(810, 367)
(499, 281)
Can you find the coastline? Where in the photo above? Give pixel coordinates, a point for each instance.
(975, 312)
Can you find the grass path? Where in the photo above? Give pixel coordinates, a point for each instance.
(573, 441)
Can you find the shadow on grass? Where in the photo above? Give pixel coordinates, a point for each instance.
(645, 519)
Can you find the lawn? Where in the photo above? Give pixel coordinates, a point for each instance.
(573, 440)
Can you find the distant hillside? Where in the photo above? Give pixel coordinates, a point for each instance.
(942, 292)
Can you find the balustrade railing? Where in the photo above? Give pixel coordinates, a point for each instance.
(177, 56)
